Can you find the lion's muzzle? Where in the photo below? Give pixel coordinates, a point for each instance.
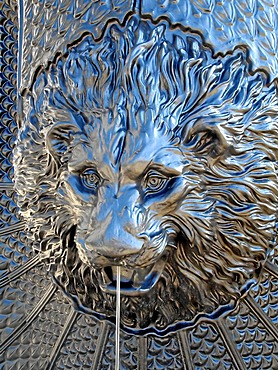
(114, 228)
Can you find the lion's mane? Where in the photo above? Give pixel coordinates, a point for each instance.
(139, 75)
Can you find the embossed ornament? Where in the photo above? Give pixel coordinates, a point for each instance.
(146, 150)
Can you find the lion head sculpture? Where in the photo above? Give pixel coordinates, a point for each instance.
(145, 150)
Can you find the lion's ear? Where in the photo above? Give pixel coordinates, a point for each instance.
(59, 137)
(206, 140)
(210, 142)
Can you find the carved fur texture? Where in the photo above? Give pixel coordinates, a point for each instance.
(192, 134)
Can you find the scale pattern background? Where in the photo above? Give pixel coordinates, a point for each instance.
(39, 328)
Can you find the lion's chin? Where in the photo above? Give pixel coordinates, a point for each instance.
(133, 281)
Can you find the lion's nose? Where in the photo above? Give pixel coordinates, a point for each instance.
(115, 238)
(116, 234)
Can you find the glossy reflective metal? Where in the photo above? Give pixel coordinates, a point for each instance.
(142, 146)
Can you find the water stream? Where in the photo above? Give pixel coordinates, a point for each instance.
(118, 316)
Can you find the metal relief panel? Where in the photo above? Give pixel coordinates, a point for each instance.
(148, 157)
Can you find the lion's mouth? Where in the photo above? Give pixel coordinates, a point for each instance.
(133, 281)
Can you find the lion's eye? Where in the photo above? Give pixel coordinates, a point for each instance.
(154, 182)
(91, 178)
